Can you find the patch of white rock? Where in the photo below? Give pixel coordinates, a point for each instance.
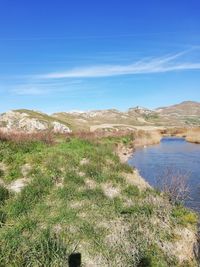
(17, 121)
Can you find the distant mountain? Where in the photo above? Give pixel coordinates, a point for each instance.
(184, 114)
(109, 117)
(186, 108)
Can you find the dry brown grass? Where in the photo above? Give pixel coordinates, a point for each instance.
(175, 184)
(190, 134)
(193, 135)
(18, 137)
(98, 134)
(145, 138)
(175, 131)
(140, 137)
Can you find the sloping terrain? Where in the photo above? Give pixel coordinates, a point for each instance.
(31, 121)
(75, 197)
(186, 108)
(184, 114)
(181, 115)
(115, 118)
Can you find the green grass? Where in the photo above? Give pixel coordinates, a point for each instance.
(45, 250)
(4, 194)
(58, 212)
(146, 210)
(132, 191)
(184, 216)
(32, 193)
(192, 121)
(153, 256)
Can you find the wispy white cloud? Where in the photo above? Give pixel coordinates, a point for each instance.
(28, 90)
(72, 80)
(43, 87)
(151, 65)
(87, 37)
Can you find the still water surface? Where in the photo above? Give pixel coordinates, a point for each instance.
(175, 154)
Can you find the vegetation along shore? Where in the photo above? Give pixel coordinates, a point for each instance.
(65, 195)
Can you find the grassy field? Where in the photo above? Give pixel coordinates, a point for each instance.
(77, 199)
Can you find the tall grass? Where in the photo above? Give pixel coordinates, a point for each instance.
(145, 138)
(21, 137)
(46, 249)
(193, 135)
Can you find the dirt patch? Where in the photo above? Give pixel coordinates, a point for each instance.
(110, 191)
(3, 166)
(90, 184)
(81, 174)
(76, 204)
(84, 161)
(183, 248)
(124, 152)
(135, 179)
(2, 182)
(18, 185)
(25, 169)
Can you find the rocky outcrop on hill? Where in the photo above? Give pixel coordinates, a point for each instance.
(141, 111)
(184, 114)
(22, 121)
(60, 128)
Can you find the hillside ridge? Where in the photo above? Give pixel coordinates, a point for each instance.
(186, 113)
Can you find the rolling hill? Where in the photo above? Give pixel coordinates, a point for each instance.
(184, 114)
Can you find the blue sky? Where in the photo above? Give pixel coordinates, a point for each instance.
(61, 55)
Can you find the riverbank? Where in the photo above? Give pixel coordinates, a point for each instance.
(191, 134)
(139, 139)
(79, 197)
(189, 243)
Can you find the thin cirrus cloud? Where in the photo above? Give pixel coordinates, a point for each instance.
(72, 80)
(145, 66)
(28, 90)
(43, 87)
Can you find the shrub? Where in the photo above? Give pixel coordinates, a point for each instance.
(175, 185)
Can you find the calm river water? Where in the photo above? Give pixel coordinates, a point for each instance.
(173, 154)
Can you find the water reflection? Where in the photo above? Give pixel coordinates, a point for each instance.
(171, 153)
